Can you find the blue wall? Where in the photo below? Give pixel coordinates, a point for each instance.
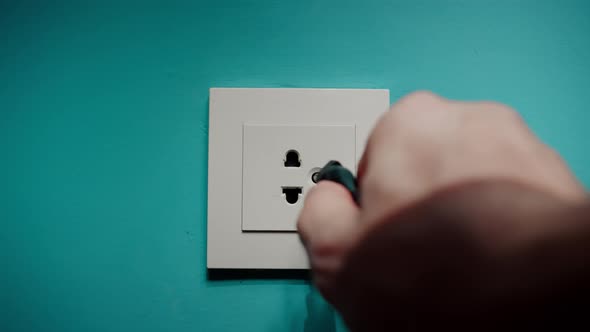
(103, 135)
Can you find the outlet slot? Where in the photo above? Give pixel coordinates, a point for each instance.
(292, 194)
(292, 159)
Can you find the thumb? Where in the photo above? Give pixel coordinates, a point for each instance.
(328, 225)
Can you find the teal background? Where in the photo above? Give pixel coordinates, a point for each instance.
(103, 135)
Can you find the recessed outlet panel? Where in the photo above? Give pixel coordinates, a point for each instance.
(278, 165)
(264, 145)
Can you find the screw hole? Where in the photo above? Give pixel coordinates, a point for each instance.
(292, 159)
(314, 177)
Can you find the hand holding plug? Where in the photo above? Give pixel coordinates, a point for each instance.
(444, 194)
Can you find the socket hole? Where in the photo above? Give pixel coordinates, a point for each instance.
(292, 159)
(292, 194)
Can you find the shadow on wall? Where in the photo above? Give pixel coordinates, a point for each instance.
(319, 315)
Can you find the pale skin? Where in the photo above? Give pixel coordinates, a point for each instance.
(459, 202)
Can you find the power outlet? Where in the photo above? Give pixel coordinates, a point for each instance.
(279, 162)
(264, 147)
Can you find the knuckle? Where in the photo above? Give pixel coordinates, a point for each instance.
(420, 96)
(510, 113)
(384, 126)
(418, 100)
(405, 114)
(505, 112)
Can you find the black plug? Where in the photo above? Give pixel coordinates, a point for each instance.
(334, 171)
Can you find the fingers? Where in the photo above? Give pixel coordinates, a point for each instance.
(328, 222)
(328, 227)
(423, 102)
(399, 153)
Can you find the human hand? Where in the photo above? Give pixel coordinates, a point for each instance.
(439, 178)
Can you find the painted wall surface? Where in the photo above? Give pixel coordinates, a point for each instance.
(103, 135)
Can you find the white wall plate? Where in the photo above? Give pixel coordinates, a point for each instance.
(264, 146)
(272, 193)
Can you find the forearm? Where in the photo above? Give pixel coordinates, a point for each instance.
(468, 258)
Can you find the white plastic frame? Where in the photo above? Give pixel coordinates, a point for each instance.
(229, 108)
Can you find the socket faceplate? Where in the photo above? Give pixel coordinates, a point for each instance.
(265, 205)
(233, 109)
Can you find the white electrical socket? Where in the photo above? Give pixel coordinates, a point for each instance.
(279, 162)
(264, 147)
